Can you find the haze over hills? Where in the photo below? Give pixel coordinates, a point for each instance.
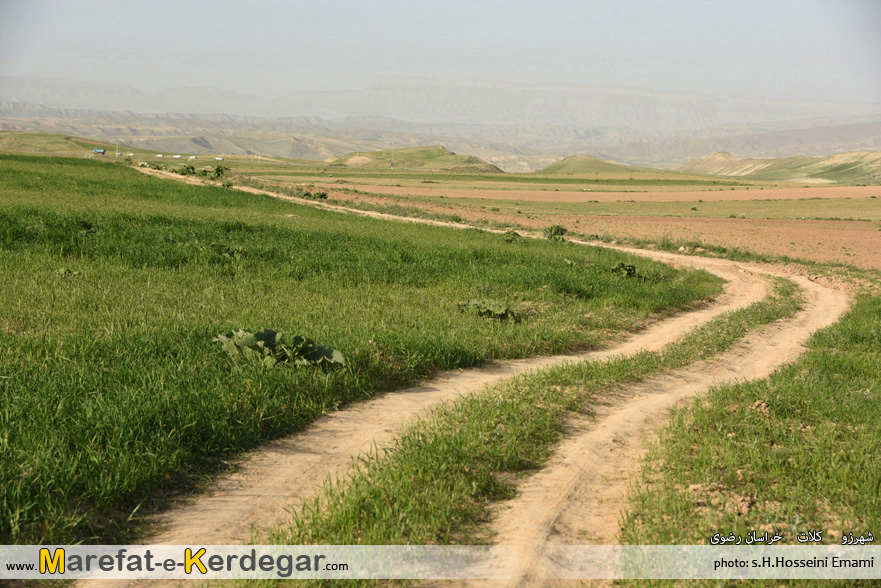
(513, 126)
(432, 101)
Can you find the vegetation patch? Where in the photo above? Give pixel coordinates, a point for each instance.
(269, 348)
(488, 309)
(628, 270)
(555, 233)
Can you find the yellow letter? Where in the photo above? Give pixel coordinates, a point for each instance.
(53, 562)
(191, 559)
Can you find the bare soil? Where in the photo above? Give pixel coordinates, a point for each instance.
(856, 243)
(646, 195)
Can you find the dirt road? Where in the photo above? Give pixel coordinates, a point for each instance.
(583, 486)
(579, 497)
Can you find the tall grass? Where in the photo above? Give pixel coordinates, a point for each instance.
(113, 394)
(795, 452)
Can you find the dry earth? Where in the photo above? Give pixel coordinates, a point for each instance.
(856, 243)
(652, 195)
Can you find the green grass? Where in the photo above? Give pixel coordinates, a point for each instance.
(43, 143)
(416, 158)
(438, 482)
(795, 452)
(113, 394)
(583, 164)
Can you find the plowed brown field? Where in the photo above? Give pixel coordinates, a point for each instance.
(852, 242)
(636, 193)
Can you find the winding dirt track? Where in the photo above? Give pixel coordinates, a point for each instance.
(576, 499)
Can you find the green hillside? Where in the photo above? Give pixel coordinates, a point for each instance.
(52, 144)
(417, 158)
(584, 164)
(858, 167)
(11, 141)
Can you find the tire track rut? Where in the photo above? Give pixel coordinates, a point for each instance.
(584, 485)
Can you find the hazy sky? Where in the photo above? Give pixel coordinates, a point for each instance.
(790, 49)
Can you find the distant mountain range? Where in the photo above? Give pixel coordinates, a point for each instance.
(516, 127)
(431, 101)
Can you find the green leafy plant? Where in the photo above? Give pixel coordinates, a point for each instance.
(555, 233)
(627, 270)
(219, 171)
(268, 348)
(488, 309)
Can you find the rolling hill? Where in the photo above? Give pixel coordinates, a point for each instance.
(584, 164)
(417, 158)
(858, 167)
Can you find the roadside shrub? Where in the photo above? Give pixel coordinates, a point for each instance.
(219, 172)
(555, 233)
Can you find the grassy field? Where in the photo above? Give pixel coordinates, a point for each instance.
(583, 164)
(115, 397)
(114, 394)
(792, 453)
(41, 143)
